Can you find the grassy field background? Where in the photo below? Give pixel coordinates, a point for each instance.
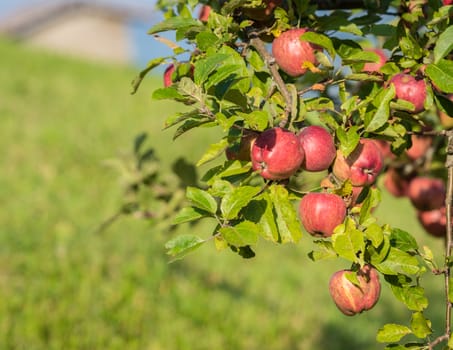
(62, 286)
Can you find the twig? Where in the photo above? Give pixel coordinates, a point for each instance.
(449, 246)
(259, 46)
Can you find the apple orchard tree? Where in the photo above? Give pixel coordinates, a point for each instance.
(348, 91)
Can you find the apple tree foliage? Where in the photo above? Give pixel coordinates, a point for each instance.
(231, 82)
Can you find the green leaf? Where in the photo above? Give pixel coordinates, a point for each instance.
(181, 245)
(375, 234)
(371, 201)
(170, 93)
(190, 124)
(351, 28)
(392, 332)
(348, 241)
(428, 257)
(412, 296)
(325, 251)
(204, 67)
(213, 151)
(352, 277)
(149, 67)
(201, 199)
(441, 74)
(321, 40)
(348, 140)
(444, 44)
(381, 116)
(260, 211)
(240, 235)
(287, 220)
(188, 88)
(256, 120)
(175, 23)
(378, 254)
(421, 327)
(233, 202)
(205, 40)
(398, 261)
(188, 214)
(402, 240)
(232, 72)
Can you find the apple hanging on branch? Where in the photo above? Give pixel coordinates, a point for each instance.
(356, 294)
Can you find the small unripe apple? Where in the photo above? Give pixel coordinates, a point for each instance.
(352, 299)
(320, 213)
(204, 13)
(434, 221)
(319, 148)
(362, 166)
(242, 150)
(277, 154)
(290, 52)
(168, 81)
(426, 193)
(410, 89)
(420, 145)
(371, 67)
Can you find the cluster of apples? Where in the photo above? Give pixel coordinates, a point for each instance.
(426, 194)
(277, 154)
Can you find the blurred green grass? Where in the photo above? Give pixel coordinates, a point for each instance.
(64, 287)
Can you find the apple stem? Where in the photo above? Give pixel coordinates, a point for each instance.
(259, 46)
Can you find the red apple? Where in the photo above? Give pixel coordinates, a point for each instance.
(395, 183)
(420, 145)
(203, 15)
(426, 193)
(362, 166)
(242, 150)
(319, 148)
(277, 154)
(168, 81)
(290, 52)
(434, 221)
(371, 67)
(352, 299)
(447, 2)
(410, 89)
(320, 213)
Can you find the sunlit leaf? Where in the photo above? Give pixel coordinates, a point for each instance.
(392, 332)
(441, 74)
(421, 327)
(181, 245)
(201, 199)
(444, 44)
(234, 201)
(240, 235)
(288, 223)
(188, 214)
